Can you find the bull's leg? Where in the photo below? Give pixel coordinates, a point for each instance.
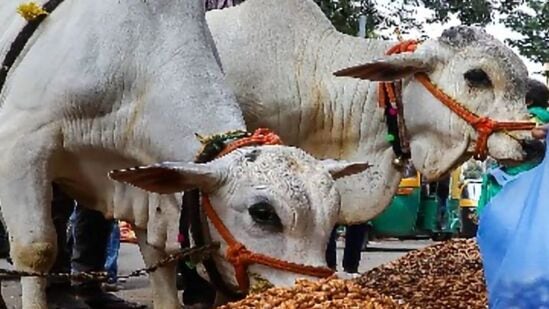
(25, 205)
(163, 279)
(25, 192)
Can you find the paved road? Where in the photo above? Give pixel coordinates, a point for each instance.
(138, 289)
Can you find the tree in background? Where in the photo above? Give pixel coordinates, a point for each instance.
(530, 18)
(534, 28)
(380, 15)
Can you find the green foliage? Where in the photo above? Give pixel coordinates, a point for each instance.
(534, 28)
(390, 14)
(345, 15)
(469, 12)
(532, 23)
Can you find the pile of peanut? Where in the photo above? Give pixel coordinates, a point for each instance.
(446, 275)
(325, 293)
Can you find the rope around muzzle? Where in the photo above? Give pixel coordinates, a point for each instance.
(237, 254)
(483, 125)
(240, 257)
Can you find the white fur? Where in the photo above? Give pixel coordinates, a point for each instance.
(279, 57)
(107, 85)
(297, 186)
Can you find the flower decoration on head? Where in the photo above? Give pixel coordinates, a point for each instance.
(31, 10)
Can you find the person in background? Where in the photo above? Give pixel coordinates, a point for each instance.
(197, 292)
(81, 247)
(126, 233)
(442, 190)
(537, 101)
(354, 238)
(91, 232)
(111, 263)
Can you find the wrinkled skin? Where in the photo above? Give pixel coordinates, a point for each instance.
(295, 193)
(100, 86)
(501, 97)
(291, 51)
(104, 85)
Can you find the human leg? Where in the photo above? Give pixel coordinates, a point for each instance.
(354, 238)
(331, 254)
(113, 246)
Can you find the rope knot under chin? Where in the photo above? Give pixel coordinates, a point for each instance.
(485, 125)
(237, 254)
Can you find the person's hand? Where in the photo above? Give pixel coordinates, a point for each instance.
(540, 132)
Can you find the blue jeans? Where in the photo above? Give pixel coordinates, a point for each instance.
(90, 233)
(113, 246)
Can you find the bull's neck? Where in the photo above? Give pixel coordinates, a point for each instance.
(348, 123)
(164, 51)
(287, 84)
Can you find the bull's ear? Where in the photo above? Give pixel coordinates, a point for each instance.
(390, 68)
(171, 177)
(341, 168)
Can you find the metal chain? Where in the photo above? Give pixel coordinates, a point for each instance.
(196, 254)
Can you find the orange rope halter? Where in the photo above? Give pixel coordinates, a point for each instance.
(237, 254)
(484, 126)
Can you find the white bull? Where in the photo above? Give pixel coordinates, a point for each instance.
(104, 85)
(280, 58)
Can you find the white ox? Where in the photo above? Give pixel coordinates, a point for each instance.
(280, 56)
(104, 85)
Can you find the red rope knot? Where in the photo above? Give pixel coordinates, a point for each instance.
(238, 255)
(484, 125)
(403, 47)
(266, 137)
(408, 46)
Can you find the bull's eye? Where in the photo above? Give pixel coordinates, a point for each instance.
(263, 213)
(477, 78)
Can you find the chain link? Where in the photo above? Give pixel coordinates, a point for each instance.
(196, 254)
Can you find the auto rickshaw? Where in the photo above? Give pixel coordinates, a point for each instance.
(399, 219)
(469, 197)
(414, 212)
